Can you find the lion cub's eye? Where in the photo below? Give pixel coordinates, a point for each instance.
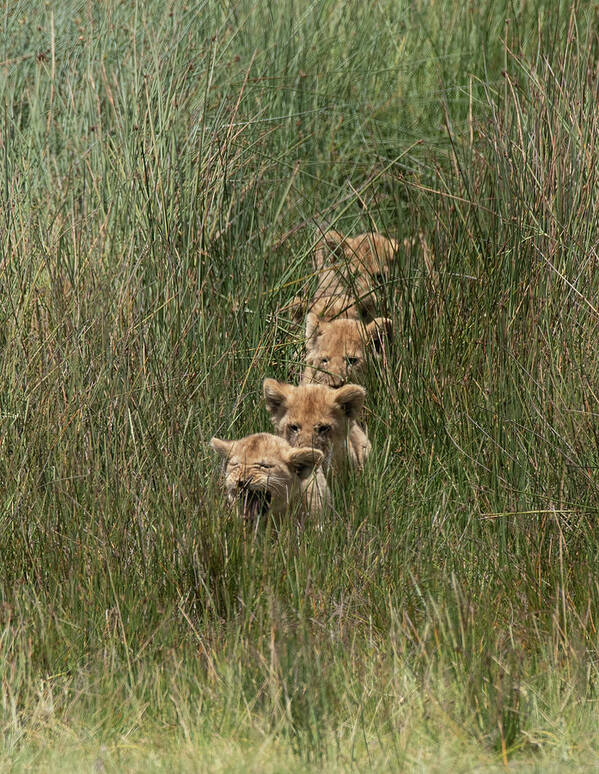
(352, 361)
(323, 429)
(293, 428)
(265, 465)
(324, 360)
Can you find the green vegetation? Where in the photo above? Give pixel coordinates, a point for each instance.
(162, 167)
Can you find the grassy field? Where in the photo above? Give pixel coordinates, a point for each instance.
(162, 167)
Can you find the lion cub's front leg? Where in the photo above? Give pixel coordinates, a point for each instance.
(359, 445)
(315, 491)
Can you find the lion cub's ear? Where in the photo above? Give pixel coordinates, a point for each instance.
(329, 248)
(394, 245)
(221, 447)
(304, 461)
(350, 399)
(296, 308)
(312, 327)
(378, 330)
(275, 394)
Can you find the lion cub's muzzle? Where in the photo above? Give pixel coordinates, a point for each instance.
(336, 380)
(315, 376)
(254, 502)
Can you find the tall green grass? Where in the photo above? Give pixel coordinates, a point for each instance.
(163, 167)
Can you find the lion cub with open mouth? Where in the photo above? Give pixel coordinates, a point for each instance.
(320, 417)
(264, 474)
(336, 350)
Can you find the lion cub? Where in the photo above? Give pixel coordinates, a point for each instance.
(352, 268)
(317, 416)
(264, 474)
(350, 272)
(336, 350)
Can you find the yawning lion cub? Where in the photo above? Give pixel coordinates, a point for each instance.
(263, 474)
(317, 416)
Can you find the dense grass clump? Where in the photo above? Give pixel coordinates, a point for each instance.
(163, 169)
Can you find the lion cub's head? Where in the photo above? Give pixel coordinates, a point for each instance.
(264, 473)
(314, 415)
(336, 350)
(359, 266)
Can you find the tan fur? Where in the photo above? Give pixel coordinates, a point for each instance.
(336, 350)
(317, 416)
(325, 307)
(353, 269)
(264, 464)
(350, 271)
